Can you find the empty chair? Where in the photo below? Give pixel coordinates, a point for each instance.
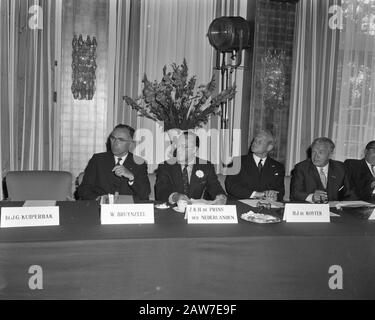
(77, 183)
(39, 185)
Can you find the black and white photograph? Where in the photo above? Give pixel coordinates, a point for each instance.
(187, 156)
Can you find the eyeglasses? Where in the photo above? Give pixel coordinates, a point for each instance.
(122, 140)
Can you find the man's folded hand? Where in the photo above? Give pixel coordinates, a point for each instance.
(320, 196)
(121, 171)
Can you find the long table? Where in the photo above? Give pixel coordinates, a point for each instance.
(170, 259)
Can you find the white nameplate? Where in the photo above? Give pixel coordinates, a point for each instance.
(127, 213)
(304, 212)
(211, 214)
(12, 217)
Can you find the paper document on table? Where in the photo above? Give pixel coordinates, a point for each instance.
(350, 204)
(254, 202)
(201, 201)
(39, 203)
(331, 214)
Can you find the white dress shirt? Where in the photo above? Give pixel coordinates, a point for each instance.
(372, 172)
(370, 168)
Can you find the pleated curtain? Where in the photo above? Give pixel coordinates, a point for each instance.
(354, 120)
(314, 78)
(27, 85)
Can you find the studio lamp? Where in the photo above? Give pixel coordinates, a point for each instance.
(229, 34)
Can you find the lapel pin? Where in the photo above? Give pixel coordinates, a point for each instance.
(199, 173)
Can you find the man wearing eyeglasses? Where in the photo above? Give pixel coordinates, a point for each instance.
(116, 170)
(186, 176)
(362, 173)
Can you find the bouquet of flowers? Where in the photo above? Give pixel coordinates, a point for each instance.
(176, 102)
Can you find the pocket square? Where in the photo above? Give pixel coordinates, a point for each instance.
(276, 174)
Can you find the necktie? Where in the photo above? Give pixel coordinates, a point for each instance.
(260, 165)
(117, 181)
(185, 180)
(323, 178)
(373, 170)
(118, 163)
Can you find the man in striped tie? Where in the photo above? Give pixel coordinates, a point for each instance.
(321, 179)
(186, 176)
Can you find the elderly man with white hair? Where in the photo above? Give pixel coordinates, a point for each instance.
(259, 176)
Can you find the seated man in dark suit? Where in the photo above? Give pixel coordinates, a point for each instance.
(320, 179)
(260, 176)
(186, 176)
(117, 170)
(362, 173)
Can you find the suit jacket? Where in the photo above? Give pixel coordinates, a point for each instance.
(100, 180)
(360, 178)
(306, 180)
(169, 180)
(249, 179)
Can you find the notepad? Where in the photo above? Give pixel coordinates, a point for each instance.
(331, 214)
(201, 201)
(350, 204)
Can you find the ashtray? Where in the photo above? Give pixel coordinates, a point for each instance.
(259, 217)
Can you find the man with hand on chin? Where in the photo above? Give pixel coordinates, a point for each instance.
(117, 170)
(186, 176)
(320, 179)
